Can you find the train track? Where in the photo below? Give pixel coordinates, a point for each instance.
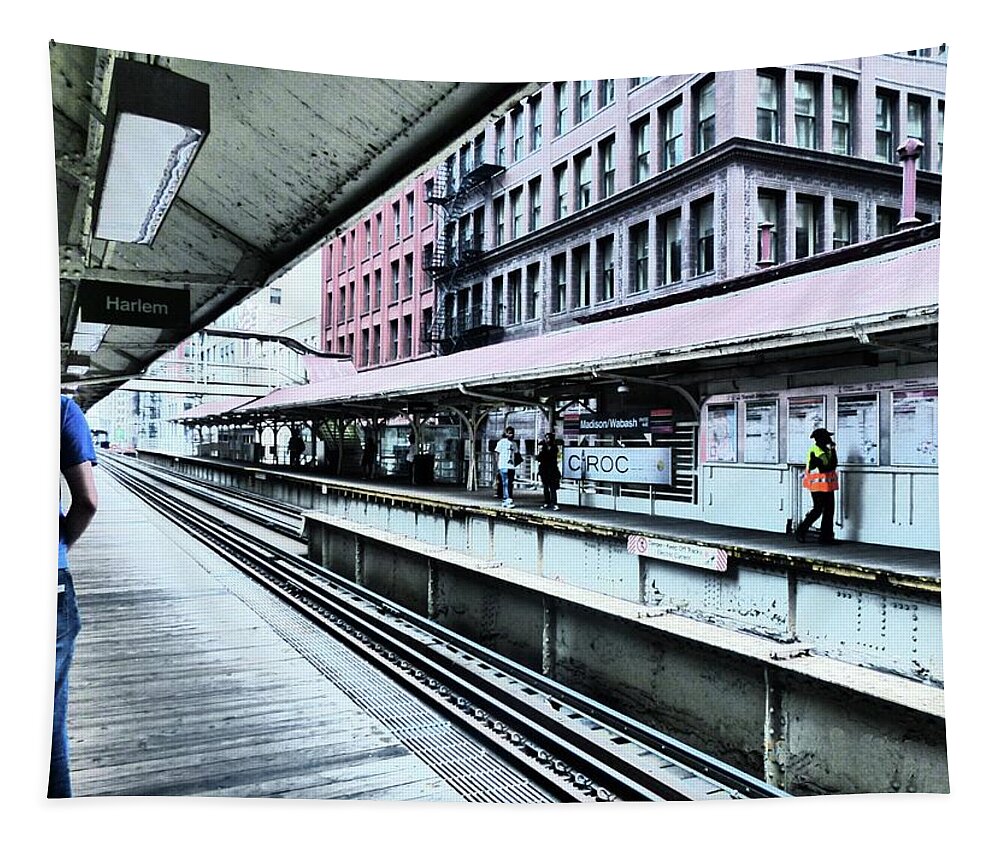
(566, 744)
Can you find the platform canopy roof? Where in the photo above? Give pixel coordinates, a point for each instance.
(289, 157)
(813, 321)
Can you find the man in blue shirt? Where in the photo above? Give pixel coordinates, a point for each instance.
(76, 460)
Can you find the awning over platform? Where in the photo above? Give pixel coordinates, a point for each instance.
(887, 293)
(214, 408)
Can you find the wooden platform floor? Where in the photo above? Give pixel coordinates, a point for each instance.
(180, 686)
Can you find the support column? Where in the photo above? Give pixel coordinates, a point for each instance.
(775, 722)
(548, 638)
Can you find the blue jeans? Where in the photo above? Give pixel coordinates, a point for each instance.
(67, 627)
(506, 481)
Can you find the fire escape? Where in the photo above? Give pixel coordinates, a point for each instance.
(458, 323)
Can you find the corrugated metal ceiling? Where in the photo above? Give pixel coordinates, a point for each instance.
(290, 156)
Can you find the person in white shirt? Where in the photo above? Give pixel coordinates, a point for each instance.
(505, 450)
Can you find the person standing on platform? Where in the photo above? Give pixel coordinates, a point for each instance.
(296, 446)
(368, 453)
(76, 460)
(821, 481)
(548, 470)
(505, 452)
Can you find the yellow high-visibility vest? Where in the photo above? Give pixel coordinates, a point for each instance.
(815, 480)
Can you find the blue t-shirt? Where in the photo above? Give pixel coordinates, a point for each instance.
(75, 447)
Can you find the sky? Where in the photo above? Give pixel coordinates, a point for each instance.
(551, 41)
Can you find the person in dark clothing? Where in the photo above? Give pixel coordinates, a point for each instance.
(821, 482)
(548, 470)
(296, 446)
(368, 453)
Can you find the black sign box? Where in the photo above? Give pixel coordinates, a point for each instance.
(143, 307)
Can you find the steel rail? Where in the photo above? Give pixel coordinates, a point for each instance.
(594, 752)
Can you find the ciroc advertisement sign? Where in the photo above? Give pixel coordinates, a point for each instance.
(642, 465)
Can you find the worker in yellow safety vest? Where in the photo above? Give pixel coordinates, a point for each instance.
(821, 482)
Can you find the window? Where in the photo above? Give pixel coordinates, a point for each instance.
(559, 283)
(669, 248)
(583, 180)
(366, 293)
(498, 221)
(501, 143)
(408, 277)
(365, 347)
(378, 231)
(940, 136)
(606, 150)
(770, 208)
(845, 214)
(886, 220)
(768, 98)
(426, 318)
(560, 178)
(583, 92)
(843, 142)
(534, 281)
(807, 226)
(885, 143)
(535, 204)
(916, 125)
(343, 252)
(514, 297)
(706, 116)
(805, 113)
(407, 336)
(342, 305)
(394, 281)
(517, 119)
(638, 237)
(350, 299)
(368, 239)
(640, 150)
(428, 194)
(341, 345)
(517, 211)
(275, 297)
(535, 105)
(328, 313)
(465, 159)
(605, 93)
(393, 339)
(395, 221)
(581, 276)
(673, 135)
(449, 174)
(478, 227)
(478, 146)
(350, 345)
(562, 107)
(704, 217)
(496, 301)
(377, 344)
(410, 213)
(606, 267)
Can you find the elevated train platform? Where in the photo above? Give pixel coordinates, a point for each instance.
(879, 564)
(745, 644)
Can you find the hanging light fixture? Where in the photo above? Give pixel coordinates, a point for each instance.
(156, 123)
